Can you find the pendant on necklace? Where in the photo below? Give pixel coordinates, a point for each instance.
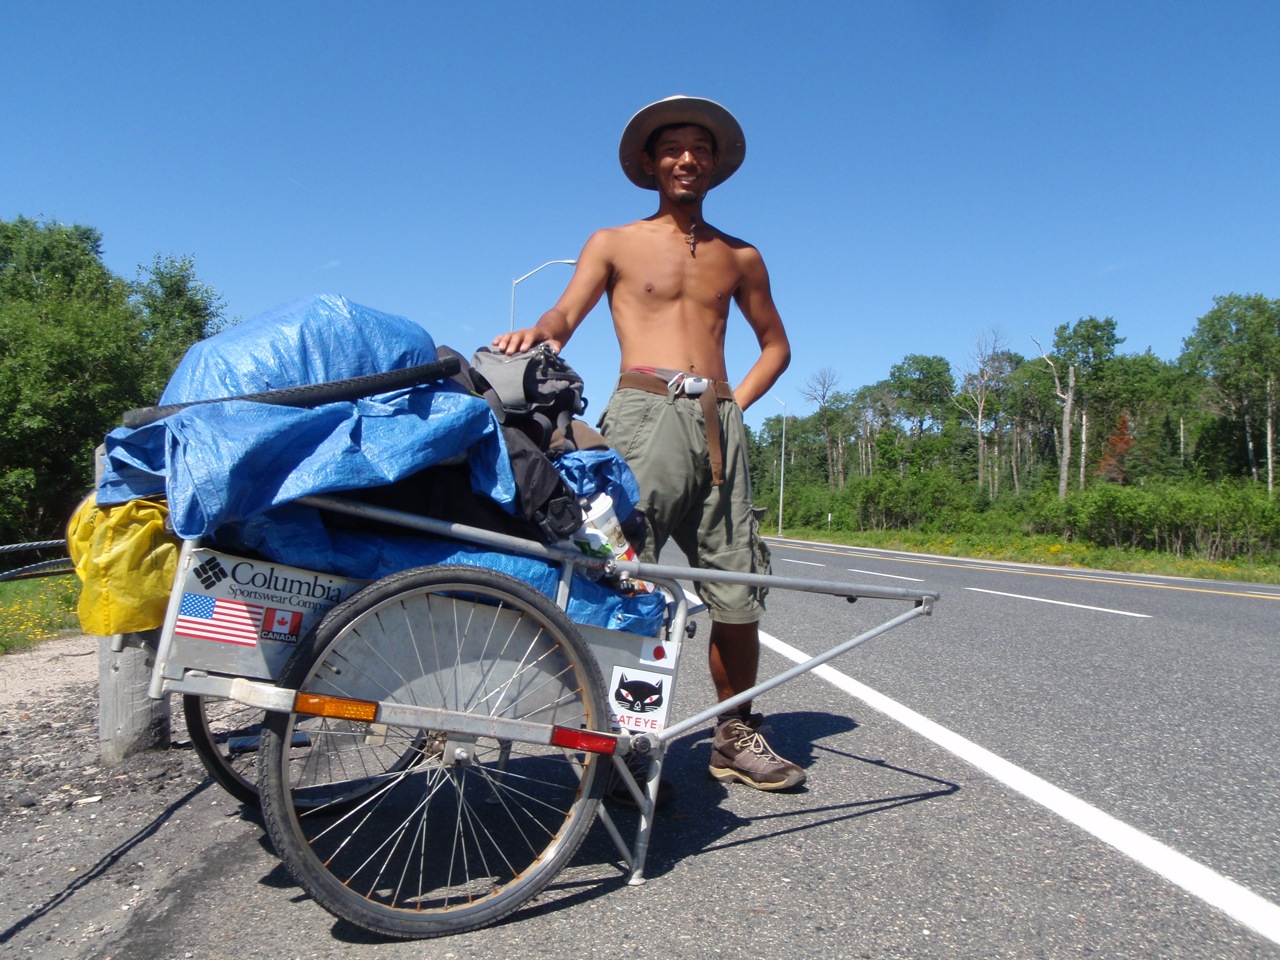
(692, 237)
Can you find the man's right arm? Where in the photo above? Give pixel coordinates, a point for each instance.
(556, 326)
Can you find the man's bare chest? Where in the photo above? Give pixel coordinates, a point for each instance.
(705, 277)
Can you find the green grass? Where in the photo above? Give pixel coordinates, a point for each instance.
(38, 609)
(1046, 550)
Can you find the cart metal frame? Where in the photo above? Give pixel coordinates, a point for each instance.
(172, 675)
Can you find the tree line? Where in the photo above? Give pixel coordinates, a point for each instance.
(1075, 439)
(79, 346)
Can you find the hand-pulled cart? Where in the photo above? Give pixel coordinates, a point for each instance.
(432, 746)
(436, 748)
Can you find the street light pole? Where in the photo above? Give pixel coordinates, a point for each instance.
(782, 463)
(526, 277)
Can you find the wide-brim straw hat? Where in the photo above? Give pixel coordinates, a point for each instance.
(731, 143)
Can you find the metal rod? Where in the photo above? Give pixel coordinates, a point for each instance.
(607, 819)
(782, 462)
(643, 571)
(670, 733)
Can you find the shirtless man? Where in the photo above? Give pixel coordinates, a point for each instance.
(670, 279)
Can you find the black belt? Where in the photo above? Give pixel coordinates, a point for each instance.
(713, 391)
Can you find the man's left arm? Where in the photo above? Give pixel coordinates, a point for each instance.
(755, 300)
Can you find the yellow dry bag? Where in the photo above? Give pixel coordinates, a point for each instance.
(126, 559)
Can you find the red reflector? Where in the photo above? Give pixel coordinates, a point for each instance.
(584, 740)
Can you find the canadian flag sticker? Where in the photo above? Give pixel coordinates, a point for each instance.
(283, 626)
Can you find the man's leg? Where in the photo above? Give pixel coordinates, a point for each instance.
(738, 751)
(734, 656)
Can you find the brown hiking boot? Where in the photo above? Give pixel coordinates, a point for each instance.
(740, 752)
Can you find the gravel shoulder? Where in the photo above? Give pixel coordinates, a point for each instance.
(47, 669)
(82, 846)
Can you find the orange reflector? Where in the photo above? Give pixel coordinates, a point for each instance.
(583, 740)
(339, 707)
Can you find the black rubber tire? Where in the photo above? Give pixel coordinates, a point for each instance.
(315, 394)
(227, 736)
(435, 847)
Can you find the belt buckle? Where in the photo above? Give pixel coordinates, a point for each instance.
(689, 386)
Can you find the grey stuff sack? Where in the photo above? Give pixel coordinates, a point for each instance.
(536, 385)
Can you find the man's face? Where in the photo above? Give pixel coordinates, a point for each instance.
(682, 163)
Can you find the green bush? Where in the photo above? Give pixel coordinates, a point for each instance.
(1218, 521)
(1225, 521)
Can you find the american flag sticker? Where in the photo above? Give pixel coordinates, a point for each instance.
(214, 618)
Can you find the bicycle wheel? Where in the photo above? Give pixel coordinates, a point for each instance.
(476, 826)
(226, 735)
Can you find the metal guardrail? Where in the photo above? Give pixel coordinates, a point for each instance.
(44, 568)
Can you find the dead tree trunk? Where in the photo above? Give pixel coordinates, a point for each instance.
(1068, 398)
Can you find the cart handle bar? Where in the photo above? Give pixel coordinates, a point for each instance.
(643, 571)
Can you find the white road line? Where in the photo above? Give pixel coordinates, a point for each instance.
(1237, 902)
(806, 563)
(1061, 603)
(891, 576)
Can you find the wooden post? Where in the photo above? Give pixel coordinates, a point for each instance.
(129, 721)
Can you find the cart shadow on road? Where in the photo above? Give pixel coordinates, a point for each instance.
(705, 819)
(106, 861)
(708, 814)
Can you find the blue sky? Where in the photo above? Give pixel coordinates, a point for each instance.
(918, 174)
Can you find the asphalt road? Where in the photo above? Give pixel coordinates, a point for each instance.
(1149, 700)
(933, 823)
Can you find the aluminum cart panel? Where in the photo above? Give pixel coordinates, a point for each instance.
(242, 617)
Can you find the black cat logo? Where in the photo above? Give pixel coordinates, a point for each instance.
(210, 573)
(638, 696)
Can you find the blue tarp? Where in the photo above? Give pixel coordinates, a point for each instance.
(313, 340)
(231, 470)
(224, 462)
(294, 531)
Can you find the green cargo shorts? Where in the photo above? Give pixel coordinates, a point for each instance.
(664, 441)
